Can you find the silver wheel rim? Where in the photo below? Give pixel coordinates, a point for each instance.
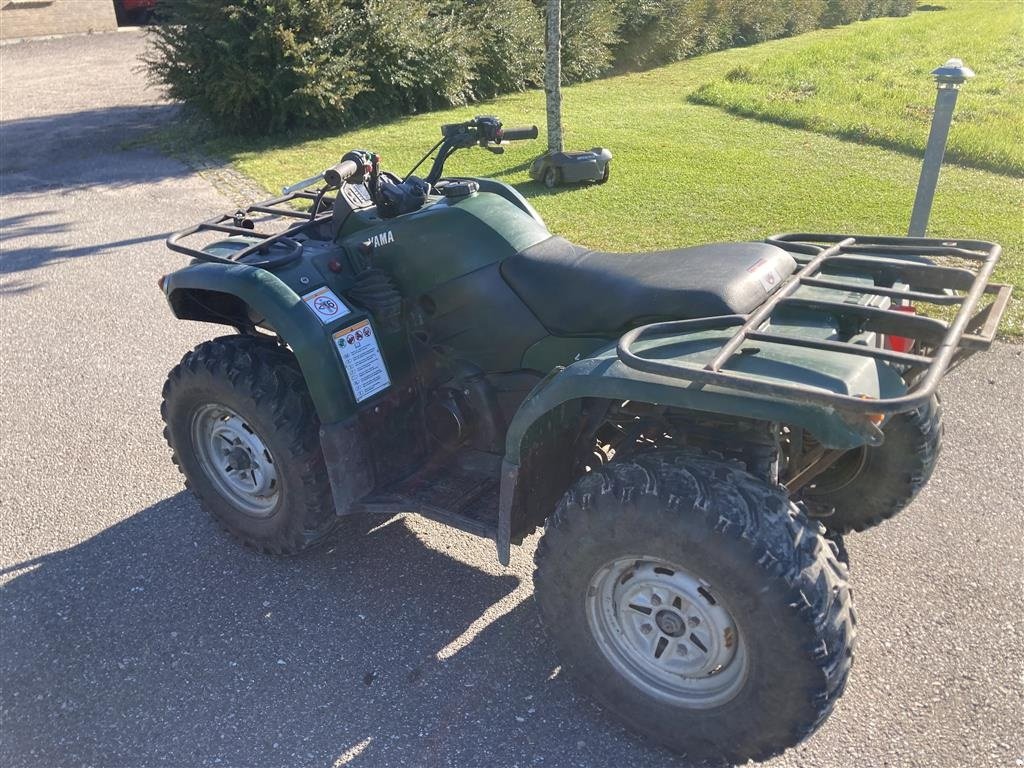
(667, 632)
(235, 459)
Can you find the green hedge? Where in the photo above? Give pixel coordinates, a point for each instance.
(263, 66)
(248, 70)
(656, 32)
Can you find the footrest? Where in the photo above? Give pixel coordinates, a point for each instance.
(459, 489)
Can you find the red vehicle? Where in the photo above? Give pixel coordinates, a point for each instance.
(134, 12)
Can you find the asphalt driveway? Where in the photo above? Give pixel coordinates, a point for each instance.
(133, 633)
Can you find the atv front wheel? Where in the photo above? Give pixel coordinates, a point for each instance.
(871, 484)
(244, 434)
(695, 602)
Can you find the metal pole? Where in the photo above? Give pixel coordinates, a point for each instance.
(948, 79)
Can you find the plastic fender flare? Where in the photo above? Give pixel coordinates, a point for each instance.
(604, 376)
(270, 298)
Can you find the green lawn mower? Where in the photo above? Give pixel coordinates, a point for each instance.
(694, 429)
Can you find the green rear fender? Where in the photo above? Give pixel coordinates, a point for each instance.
(537, 463)
(603, 375)
(237, 295)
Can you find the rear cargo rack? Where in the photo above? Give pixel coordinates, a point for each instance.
(242, 225)
(889, 261)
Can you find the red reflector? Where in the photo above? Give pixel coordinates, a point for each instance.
(901, 343)
(160, 282)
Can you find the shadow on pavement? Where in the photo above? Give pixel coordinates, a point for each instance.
(30, 227)
(83, 148)
(160, 640)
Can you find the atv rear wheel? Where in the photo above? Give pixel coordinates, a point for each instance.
(697, 604)
(869, 485)
(244, 434)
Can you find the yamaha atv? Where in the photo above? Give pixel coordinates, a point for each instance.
(694, 429)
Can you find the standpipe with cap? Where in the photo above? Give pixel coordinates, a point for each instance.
(948, 79)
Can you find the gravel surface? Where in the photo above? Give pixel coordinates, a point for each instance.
(133, 633)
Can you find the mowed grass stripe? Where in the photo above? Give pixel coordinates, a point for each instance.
(870, 82)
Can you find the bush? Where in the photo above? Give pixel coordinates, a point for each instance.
(264, 66)
(843, 12)
(655, 32)
(416, 55)
(589, 30)
(509, 49)
(716, 27)
(804, 15)
(250, 70)
(755, 22)
(660, 31)
(889, 8)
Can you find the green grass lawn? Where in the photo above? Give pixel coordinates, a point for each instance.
(685, 173)
(870, 82)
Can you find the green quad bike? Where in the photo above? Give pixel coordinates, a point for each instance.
(694, 429)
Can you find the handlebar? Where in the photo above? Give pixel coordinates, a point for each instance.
(342, 172)
(482, 130)
(355, 164)
(519, 133)
(360, 165)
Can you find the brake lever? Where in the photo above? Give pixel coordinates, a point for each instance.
(300, 185)
(374, 180)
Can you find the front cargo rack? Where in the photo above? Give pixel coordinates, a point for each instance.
(890, 262)
(242, 224)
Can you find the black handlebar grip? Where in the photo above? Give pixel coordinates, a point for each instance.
(519, 133)
(343, 171)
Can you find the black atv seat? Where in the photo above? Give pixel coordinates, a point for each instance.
(573, 290)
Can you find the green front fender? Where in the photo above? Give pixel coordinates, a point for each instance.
(604, 376)
(261, 296)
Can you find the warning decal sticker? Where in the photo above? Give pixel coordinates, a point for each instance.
(766, 274)
(326, 305)
(360, 354)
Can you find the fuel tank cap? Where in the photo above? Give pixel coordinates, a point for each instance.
(458, 188)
